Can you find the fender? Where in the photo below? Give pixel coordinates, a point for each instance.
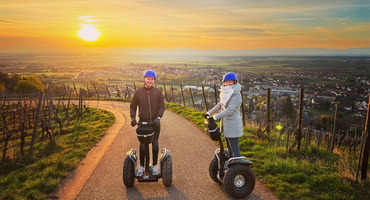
(165, 154)
(132, 155)
(241, 162)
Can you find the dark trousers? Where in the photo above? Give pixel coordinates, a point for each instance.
(233, 146)
(155, 147)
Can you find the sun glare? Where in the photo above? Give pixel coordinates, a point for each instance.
(89, 32)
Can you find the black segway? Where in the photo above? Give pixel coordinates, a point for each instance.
(145, 134)
(234, 173)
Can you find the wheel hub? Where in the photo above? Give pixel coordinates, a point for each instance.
(239, 181)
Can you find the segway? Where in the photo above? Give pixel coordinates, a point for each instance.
(145, 135)
(234, 173)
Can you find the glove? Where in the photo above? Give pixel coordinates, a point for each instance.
(156, 121)
(211, 119)
(133, 123)
(206, 115)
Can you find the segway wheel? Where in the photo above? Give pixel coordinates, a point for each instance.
(239, 181)
(213, 169)
(128, 172)
(166, 171)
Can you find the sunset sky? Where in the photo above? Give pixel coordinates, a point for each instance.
(187, 24)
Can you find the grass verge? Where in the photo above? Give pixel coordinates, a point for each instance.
(309, 173)
(37, 175)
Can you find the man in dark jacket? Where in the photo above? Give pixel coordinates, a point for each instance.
(149, 99)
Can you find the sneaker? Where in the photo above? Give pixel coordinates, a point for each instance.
(140, 171)
(155, 170)
(226, 166)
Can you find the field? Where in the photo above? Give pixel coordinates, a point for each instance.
(117, 69)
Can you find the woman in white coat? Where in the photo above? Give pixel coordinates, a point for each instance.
(228, 111)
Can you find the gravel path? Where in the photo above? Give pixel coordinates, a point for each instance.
(99, 175)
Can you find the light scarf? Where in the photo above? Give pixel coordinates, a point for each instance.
(226, 92)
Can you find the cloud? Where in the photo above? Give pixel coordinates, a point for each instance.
(328, 33)
(190, 22)
(8, 21)
(87, 19)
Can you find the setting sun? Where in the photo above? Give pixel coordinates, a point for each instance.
(89, 32)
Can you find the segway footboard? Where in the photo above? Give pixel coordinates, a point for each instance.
(147, 179)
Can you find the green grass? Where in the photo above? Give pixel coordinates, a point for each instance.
(190, 114)
(309, 173)
(39, 174)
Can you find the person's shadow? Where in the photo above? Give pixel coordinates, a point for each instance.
(133, 193)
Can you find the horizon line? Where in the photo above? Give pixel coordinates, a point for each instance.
(46, 50)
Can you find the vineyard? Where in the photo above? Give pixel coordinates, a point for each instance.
(36, 116)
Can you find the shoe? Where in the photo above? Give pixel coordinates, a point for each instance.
(155, 170)
(226, 166)
(140, 171)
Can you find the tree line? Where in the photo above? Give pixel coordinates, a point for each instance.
(20, 84)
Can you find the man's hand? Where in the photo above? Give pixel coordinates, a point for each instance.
(157, 121)
(133, 123)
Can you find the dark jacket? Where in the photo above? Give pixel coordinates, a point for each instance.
(150, 102)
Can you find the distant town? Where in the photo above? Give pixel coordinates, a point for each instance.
(341, 80)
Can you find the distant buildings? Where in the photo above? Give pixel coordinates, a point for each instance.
(279, 91)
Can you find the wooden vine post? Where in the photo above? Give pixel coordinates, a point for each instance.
(204, 97)
(242, 107)
(268, 111)
(300, 119)
(37, 120)
(191, 96)
(366, 149)
(183, 97)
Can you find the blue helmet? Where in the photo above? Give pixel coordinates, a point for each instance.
(230, 76)
(150, 73)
